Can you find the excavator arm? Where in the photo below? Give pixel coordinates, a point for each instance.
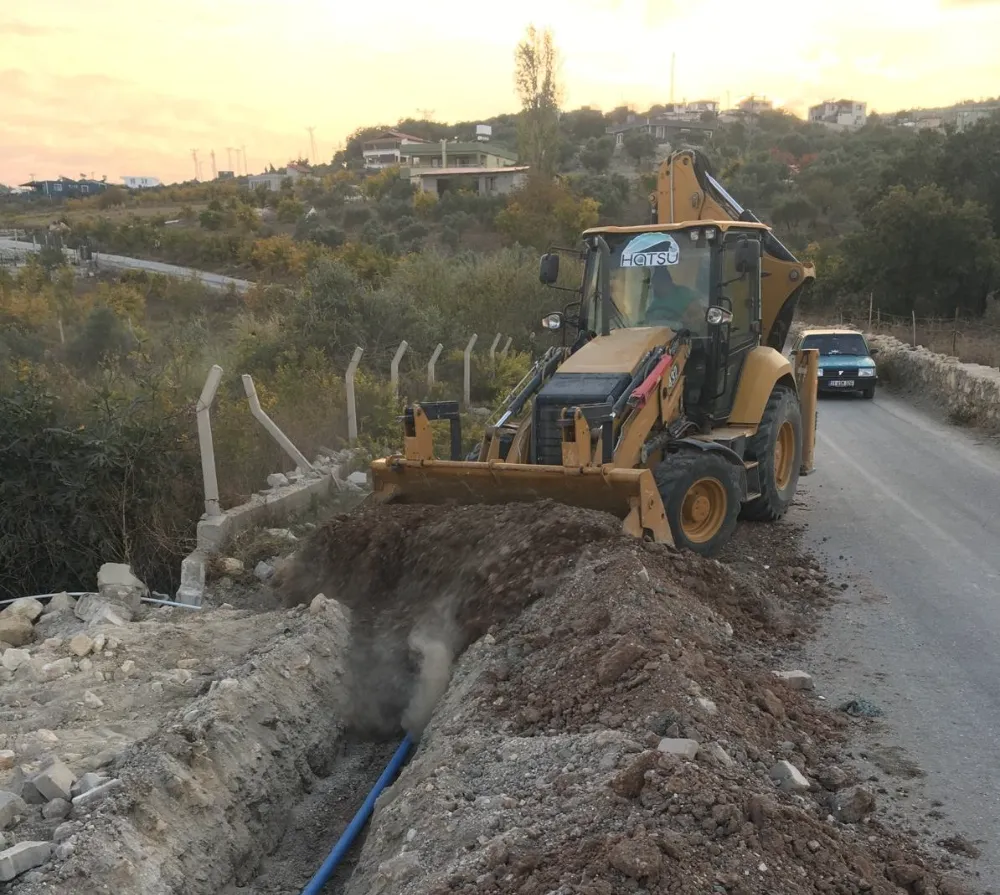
(687, 191)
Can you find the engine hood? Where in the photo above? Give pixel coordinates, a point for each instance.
(845, 360)
(618, 352)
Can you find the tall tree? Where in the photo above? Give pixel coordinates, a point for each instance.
(535, 77)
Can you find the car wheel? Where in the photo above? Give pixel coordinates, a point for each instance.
(868, 393)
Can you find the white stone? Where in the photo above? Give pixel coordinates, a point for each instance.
(92, 700)
(358, 479)
(14, 658)
(55, 781)
(23, 857)
(719, 755)
(277, 480)
(59, 603)
(230, 565)
(796, 680)
(118, 574)
(788, 777)
(263, 571)
(81, 645)
(26, 607)
(706, 705)
(682, 747)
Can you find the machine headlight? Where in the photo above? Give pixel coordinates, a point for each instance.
(819, 372)
(866, 371)
(716, 316)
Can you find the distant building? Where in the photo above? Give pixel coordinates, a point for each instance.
(141, 183)
(842, 114)
(666, 128)
(455, 155)
(386, 149)
(485, 181)
(754, 105)
(960, 116)
(968, 115)
(273, 180)
(226, 175)
(65, 187)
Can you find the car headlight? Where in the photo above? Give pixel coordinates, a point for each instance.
(866, 371)
(819, 372)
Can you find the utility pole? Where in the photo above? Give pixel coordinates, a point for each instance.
(312, 145)
(197, 169)
(229, 153)
(215, 173)
(673, 71)
(426, 114)
(246, 170)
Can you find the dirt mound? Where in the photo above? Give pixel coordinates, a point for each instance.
(553, 762)
(422, 582)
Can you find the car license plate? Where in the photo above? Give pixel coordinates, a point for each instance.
(842, 383)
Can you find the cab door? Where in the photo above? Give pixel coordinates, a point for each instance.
(740, 295)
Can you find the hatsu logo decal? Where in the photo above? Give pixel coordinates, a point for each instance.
(651, 250)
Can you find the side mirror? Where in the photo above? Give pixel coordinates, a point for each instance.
(548, 268)
(553, 321)
(873, 351)
(747, 255)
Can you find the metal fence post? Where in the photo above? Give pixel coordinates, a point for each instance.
(493, 347)
(352, 409)
(506, 348)
(205, 444)
(467, 383)
(394, 367)
(283, 440)
(431, 364)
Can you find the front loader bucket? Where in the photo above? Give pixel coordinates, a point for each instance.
(629, 494)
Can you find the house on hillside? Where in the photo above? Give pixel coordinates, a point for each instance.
(484, 167)
(65, 187)
(456, 155)
(665, 128)
(841, 114)
(386, 149)
(141, 183)
(273, 179)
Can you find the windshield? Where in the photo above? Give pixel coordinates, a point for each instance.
(846, 344)
(656, 280)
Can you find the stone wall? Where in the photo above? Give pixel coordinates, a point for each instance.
(969, 393)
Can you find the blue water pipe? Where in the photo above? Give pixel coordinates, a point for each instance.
(322, 877)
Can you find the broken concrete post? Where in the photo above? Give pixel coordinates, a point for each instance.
(119, 589)
(431, 365)
(352, 407)
(394, 367)
(205, 443)
(284, 442)
(467, 377)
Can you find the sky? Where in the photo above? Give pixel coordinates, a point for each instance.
(119, 87)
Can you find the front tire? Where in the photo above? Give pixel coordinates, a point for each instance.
(868, 393)
(777, 448)
(701, 494)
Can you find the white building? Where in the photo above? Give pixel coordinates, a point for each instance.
(141, 183)
(843, 114)
(274, 179)
(384, 151)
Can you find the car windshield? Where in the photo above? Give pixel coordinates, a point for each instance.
(657, 280)
(845, 344)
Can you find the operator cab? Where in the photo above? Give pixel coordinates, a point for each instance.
(700, 278)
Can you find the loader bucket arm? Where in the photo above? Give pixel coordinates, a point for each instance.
(687, 191)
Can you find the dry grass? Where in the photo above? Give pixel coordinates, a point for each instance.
(43, 217)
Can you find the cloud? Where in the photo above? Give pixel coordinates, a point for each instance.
(23, 29)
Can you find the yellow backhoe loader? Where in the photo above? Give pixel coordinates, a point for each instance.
(673, 407)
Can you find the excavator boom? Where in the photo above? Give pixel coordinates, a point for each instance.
(687, 191)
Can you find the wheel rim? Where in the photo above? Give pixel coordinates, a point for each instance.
(703, 511)
(784, 455)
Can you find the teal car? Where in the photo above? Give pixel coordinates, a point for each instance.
(845, 360)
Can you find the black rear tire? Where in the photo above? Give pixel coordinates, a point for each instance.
(688, 474)
(775, 495)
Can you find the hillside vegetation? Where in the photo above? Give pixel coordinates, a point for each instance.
(98, 377)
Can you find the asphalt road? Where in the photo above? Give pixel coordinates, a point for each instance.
(120, 262)
(907, 508)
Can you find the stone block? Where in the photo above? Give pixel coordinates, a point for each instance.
(796, 680)
(55, 781)
(11, 807)
(675, 746)
(23, 857)
(26, 607)
(788, 777)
